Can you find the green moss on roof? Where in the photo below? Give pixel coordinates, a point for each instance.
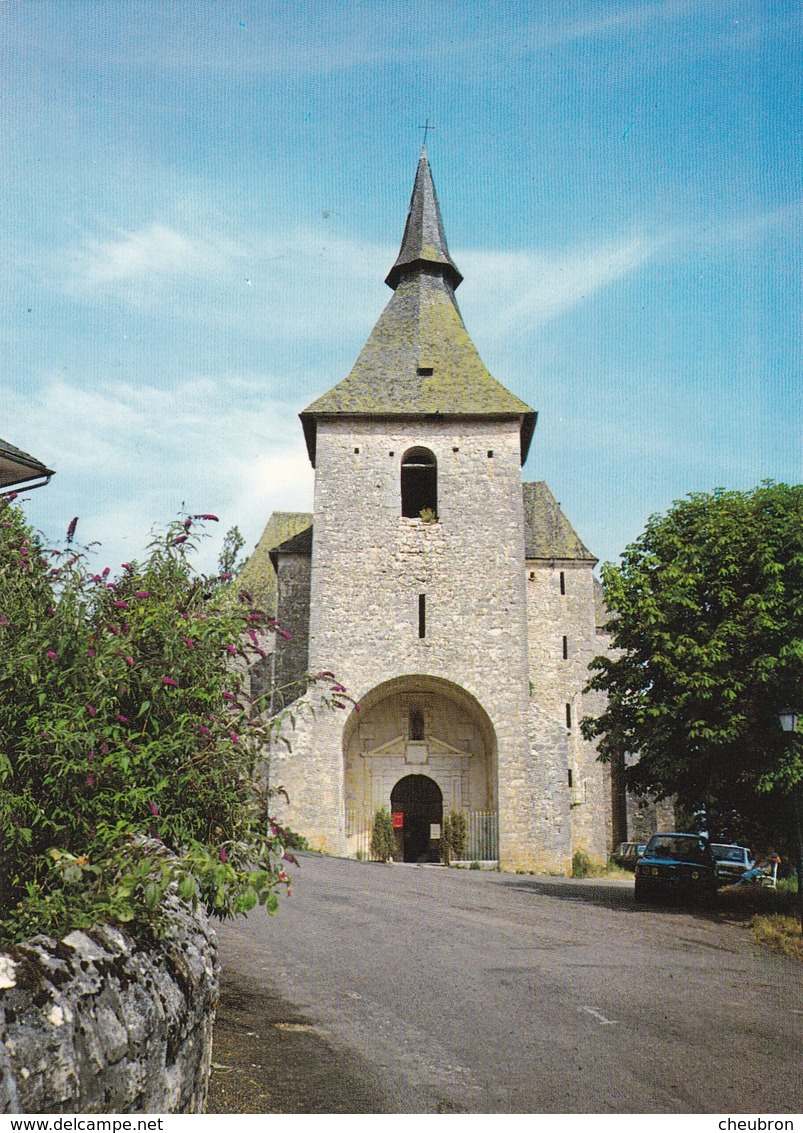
(258, 574)
(547, 532)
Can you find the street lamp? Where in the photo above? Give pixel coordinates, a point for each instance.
(788, 721)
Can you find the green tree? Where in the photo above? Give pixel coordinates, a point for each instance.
(707, 634)
(383, 836)
(127, 729)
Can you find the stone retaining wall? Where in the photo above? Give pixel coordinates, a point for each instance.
(96, 1023)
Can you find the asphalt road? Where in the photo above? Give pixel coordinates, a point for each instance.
(403, 989)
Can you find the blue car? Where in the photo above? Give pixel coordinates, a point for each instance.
(677, 865)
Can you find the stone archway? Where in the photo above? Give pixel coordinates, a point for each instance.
(419, 800)
(423, 727)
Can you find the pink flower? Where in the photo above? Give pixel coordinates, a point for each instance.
(91, 710)
(188, 642)
(283, 633)
(235, 739)
(52, 655)
(209, 516)
(90, 782)
(91, 756)
(255, 617)
(226, 577)
(224, 857)
(203, 730)
(179, 539)
(122, 719)
(228, 696)
(339, 688)
(90, 652)
(169, 681)
(231, 649)
(126, 566)
(71, 528)
(187, 523)
(104, 749)
(121, 605)
(3, 620)
(357, 708)
(154, 808)
(129, 661)
(51, 611)
(106, 572)
(142, 593)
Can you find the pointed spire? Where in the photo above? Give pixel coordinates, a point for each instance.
(424, 242)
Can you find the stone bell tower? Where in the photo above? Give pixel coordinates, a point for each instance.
(417, 591)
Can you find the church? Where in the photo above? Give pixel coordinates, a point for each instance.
(454, 601)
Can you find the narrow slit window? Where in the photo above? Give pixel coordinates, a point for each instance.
(422, 615)
(562, 582)
(565, 648)
(416, 724)
(419, 483)
(571, 778)
(568, 715)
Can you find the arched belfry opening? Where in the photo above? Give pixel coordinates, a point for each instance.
(419, 801)
(419, 482)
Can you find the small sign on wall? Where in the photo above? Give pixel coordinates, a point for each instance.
(398, 820)
(434, 830)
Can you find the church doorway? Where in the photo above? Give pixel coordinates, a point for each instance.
(419, 799)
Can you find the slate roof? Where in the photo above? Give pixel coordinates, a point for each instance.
(18, 467)
(424, 241)
(258, 574)
(419, 359)
(547, 532)
(300, 544)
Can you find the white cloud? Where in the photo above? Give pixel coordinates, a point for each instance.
(152, 252)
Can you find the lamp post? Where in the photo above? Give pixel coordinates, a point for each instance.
(788, 721)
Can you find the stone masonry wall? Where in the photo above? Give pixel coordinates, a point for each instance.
(95, 1023)
(370, 565)
(562, 619)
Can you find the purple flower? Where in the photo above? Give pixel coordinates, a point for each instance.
(91, 756)
(169, 681)
(231, 649)
(122, 719)
(91, 709)
(90, 782)
(71, 528)
(154, 808)
(142, 593)
(121, 605)
(129, 661)
(52, 655)
(209, 516)
(179, 539)
(126, 566)
(188, 642)
(90, 652)
(3, 620)
(224, 857)
(228, 696)
(235, 739)
(226, 577)
(203, 730)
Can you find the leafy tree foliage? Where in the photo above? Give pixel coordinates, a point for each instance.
(127, 730)
(707, 629)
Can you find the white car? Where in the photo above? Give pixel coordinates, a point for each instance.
(731, 862)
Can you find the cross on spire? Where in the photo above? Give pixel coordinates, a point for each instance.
(426, 127)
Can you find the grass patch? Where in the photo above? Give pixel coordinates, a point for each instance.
(779, 932)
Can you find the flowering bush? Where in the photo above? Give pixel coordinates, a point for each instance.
(127, 730)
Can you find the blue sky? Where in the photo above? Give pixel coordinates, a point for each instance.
(201, 201)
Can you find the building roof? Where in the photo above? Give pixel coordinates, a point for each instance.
(419, 359)
(258, 574)
(300, 544)
(424, 241)
(547, 532)
(18, 467)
